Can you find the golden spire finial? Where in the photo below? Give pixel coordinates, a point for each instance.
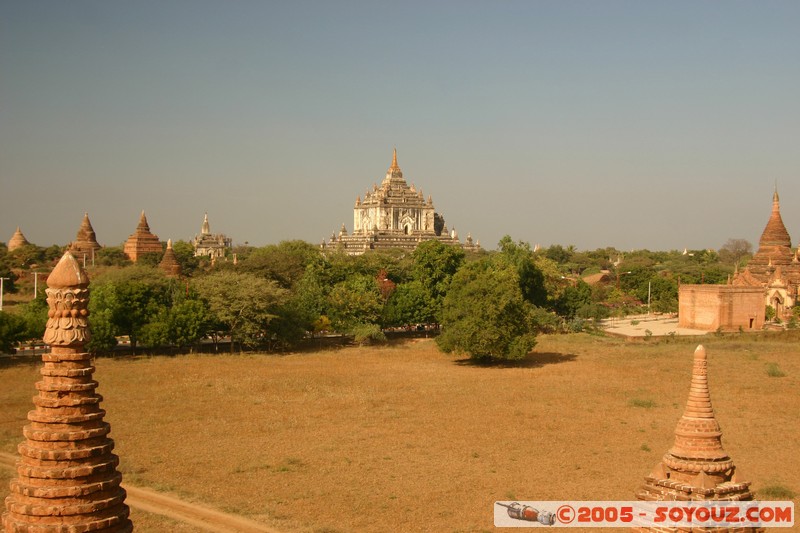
(394, 159)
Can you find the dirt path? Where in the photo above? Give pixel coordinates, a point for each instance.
(176, 509)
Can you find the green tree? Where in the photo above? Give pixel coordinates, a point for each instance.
(284, 263)
(485, 315)
(34, 314)
(410, 303)
(111, 256)
(242, 304)
(434, 265)
(184, 252)
(130, 299)
(573, 298)
(531, 278)
(182, 325)
(12, 330)
(355, 302)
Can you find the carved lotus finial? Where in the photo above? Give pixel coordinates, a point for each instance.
(67, 273)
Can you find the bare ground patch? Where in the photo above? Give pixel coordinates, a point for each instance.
(406, 438)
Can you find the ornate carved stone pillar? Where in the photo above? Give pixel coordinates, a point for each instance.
(67, 479)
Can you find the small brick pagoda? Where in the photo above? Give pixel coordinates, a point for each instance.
(696, 468)
(169, 263)
(85, 243)
(142, 241)
(67, 479)
(17, 240)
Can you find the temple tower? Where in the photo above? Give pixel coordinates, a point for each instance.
(775, 244)
(209, 244)
(85, 242)
(142, 241)
(696, 468)
(169, 263)
(67, 479)
(17, 240)
(775, 267)
(393, 214)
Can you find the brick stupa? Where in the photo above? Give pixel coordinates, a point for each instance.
(85, 242)
(169, 263)
(142, 241)
(67, 479)
(17, 240)
(696, 468)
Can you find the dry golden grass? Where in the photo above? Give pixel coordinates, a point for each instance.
(404, 438)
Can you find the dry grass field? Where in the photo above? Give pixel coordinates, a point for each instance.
(404, 438)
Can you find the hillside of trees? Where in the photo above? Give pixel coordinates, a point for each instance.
(489, 304)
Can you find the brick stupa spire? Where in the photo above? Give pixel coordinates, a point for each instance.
(142, 241)
(696, 468)
(775, 244)
(67, 478)
(85, 241)
(169, 263)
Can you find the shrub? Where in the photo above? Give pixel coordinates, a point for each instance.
(367, 334)
(774, 371)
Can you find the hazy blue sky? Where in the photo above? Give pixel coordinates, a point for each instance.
(633, 124)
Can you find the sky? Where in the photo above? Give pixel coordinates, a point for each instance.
(633, 124)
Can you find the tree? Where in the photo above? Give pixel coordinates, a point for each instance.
(128, 299)
(34, 315)
(184, 253)
(734, 251)
(284, 263)
(355, 302)
(182, 324)
(241, 304)
(12, 330)
(531, 278)
(485, 315)
(410, 303)
(573, 298)
(434, 265)
(111, 256)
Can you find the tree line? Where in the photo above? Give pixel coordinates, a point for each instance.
(488, 304)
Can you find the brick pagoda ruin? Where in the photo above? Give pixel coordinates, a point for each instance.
(67, 479)
(696, 468)
(142, 241)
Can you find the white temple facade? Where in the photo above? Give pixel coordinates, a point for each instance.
(394, 215)
(208, 244)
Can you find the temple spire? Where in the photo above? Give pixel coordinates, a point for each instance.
(206, 229)
(394, 159)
